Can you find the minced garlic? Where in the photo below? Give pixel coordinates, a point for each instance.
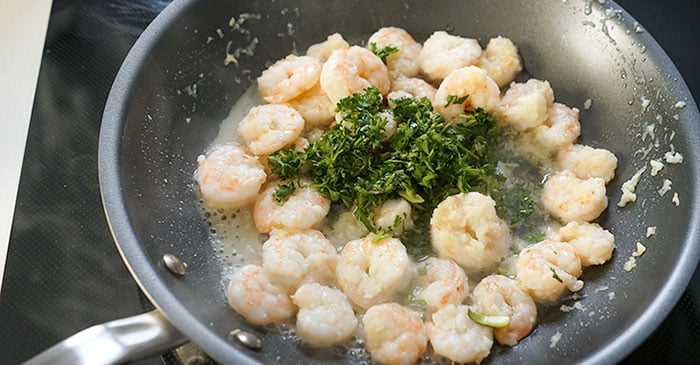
(630, 264)
(656, 167)
(554, 340)
(628, 187)
(651, 231)
(641, 249)
(673, 157)
(665, 188)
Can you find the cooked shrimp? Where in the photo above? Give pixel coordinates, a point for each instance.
(411, 87)
(443, 53)
(351, 70)
(455, 336)
(372, 272)
(571, 199)
(325, 315)
(560, 129)
(497, 295)
(442, 282)
(295, 258)
(323, 50)
(466, 229)
(253, 295)
(394, 334)
(270, 127)
(500, 59)
(315, 107)
(394, 216)
(593, 244)
(586, 162)
(302, 209)
(472, 82)
(288, 78)
(228, 177)
(405, 61)
(546, 269)
(526, 105)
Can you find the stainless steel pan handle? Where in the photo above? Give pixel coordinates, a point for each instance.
(115, 342)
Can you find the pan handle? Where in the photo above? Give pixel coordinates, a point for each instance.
(115, 342)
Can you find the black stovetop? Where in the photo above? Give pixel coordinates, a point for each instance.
(63, 271)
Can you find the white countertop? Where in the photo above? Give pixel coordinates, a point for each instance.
(23, 27)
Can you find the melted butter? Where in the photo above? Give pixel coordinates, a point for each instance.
(228, 127)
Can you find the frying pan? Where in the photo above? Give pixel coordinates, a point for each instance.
(175, 87)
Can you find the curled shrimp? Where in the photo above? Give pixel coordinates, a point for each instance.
(405, 61)
(394, 216)
(394, 334)
(351, 70)
(500, 59)
(497, 295)
(526, 105)
(559, 130)
(442, 282)
(323, 50)
(546, 269)
(294, 258)
(443, 53)
(586, 162)
(372, 272)
(470, 82)
(253, 295)
(593, 244)
(228, 177)
(315, 107)
(455, 336)
(571, 199)
(411, 87)
(466, 229)
(325, 316)
(302, 209)
(289, 78)
(270, 127)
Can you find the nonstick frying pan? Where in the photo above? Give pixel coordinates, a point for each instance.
(180, 80)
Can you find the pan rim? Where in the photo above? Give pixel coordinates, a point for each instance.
(141, 268)
(144, 272)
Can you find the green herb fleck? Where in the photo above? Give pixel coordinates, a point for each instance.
(554, 275)
(535, 237)
(422, 270)
(384, 52)
(283, 191)
(409, 300)
(381, 236)
(489, 321)
(457, 100)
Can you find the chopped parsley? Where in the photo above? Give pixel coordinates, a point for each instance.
(384, 52)
(554, 275)
(425, 161)
(454, 99)
(283, 190)
(380, 236)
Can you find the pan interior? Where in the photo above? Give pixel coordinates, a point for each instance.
(197, 59)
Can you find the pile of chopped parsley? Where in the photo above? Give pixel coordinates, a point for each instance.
(425, 161)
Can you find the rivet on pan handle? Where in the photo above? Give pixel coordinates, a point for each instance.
(115, 342)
